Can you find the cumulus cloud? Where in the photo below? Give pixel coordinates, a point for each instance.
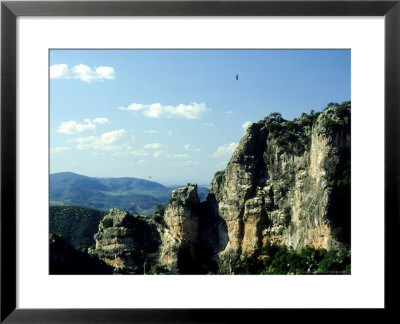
(151, 131)
(229, 112)
(59, 149)
(58, 71)
(224, 150)
(153, 146)
(129, 151)
(209, 124)
(169, 133)
(100, 120)
(187, 148)
(246, 125)
(157, 110)
(158, 154)
(82, 72)
(73, 127)
(177, 156)
(188, 162)
(104, 142)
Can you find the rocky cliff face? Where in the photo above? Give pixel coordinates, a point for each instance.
(288, 182)
(280, 184)
(126, 242)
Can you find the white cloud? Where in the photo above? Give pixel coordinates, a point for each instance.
(82, 72)
(224, 150)
(73, 127)
(188, 162)
(169, 133)
(140, 161)
(157, 110)
(104, 142)
(129, 151)
(59, 149)
(151, 131)
(209, 124)
(178, 156)
(100, 120)
(246, 125)
(59, 71)
(229, 112)
(158, 154)
(133, 107)
(153, 146)
(187, 148)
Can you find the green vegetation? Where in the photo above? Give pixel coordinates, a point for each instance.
(340, 115)
(158, 216)
(158, 270)
(177, 200)
(219, 177)
(279, 260)
(76, 224)
(294, 136)
(65, 259)
(84, 244)
(107, 223)
(287, 216)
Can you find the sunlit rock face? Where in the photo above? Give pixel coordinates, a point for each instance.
(288, 182)
(281, 183)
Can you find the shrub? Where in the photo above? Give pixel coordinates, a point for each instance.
(158, 269)
(107, 222)
(287, 216)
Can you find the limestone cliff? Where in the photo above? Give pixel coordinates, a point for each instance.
(280, 185)
(288, 182)
(126, 242)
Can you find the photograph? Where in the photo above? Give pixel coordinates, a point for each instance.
(199, 161)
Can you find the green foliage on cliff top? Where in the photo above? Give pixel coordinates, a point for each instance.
(295, 136)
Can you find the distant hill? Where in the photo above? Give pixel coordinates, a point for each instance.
(129, 194)
(137, 196)
(76, 224)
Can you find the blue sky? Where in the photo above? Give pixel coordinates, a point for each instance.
(175, 116)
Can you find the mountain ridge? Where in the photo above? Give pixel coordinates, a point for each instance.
(136, 195)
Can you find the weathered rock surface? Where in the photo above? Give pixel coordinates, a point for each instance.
(278, 191)
(126, 242)
(181, 230)
(288, 182)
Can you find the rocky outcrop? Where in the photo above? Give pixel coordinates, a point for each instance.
(181, 231)
(288, 183)
(277, 187)
(126, 242)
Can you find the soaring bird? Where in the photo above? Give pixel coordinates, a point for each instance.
(237, 77)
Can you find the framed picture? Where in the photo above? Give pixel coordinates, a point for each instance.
(229, 54)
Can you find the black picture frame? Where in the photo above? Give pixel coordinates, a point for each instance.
(10, 10)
